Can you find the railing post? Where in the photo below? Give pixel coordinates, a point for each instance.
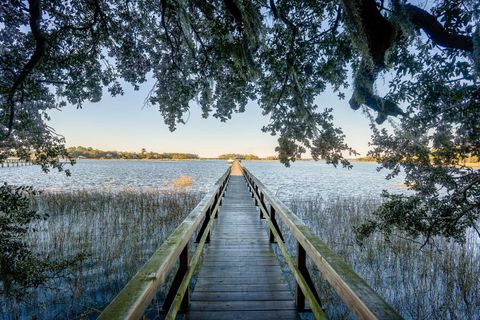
(275, 225)
(207, 240)
(301, 264)
(272, 218)
(181, 272)
(302, 267)
(262, 201)
(215, 202)
(204, 225)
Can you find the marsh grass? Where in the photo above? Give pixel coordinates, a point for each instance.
(117, 231)
(181, 182)
(436, 282)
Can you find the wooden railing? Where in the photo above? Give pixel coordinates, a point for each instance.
(356, 294)
(137, 295)
(14, 163)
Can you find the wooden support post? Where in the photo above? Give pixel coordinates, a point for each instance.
(215, 203)
(181, 272)
(275, 224)
(262, 201)
(204, 226)
(272, 218)
(302, 266)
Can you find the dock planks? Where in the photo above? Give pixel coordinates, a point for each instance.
(240, 277)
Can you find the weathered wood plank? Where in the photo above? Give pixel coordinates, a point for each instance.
(244, 315)
(246, 264)
(239, 270)
(135, 297)
(241, 305)
(220, 258)
(244, 296)
(264, 279)
(254, 272)
(219, 287)
(359, 297)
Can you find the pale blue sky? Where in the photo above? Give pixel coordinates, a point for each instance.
(122, 123)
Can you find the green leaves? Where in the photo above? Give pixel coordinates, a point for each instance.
(282, 54)
(20, 268)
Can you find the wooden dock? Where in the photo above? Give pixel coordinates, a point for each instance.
(240, 277)
(14, 163)
(234, 228)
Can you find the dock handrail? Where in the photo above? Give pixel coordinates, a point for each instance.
(14, 162)
(356, 294)
(137, 295)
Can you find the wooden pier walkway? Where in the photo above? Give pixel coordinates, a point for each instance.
(240, 276)
(14, 163)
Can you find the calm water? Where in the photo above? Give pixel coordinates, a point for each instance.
(118, 175)
(302, 179)
(305, 179)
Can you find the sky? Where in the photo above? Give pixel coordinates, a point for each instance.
(123, 123)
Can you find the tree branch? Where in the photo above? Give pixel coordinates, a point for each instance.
(40, 47)
(167, 34)
(436, 31)
(234, 10)
(371, 29)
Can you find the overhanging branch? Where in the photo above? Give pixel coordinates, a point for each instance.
(40, 47)
(439, 35)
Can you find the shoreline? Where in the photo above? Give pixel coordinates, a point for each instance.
(473, 165)
(159, 160)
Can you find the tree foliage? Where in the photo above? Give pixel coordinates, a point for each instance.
(283, 54)
(20, 267)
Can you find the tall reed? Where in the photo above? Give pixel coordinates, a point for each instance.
(118, 231)
(436, 282)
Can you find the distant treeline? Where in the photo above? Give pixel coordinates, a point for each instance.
(365, 159)
(90, 153)
(244, 157)
(467, 160)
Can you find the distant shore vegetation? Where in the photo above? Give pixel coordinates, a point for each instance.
(364, 159)
(90, 153)
(471, 161)
(81, 152)
(238, 156)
